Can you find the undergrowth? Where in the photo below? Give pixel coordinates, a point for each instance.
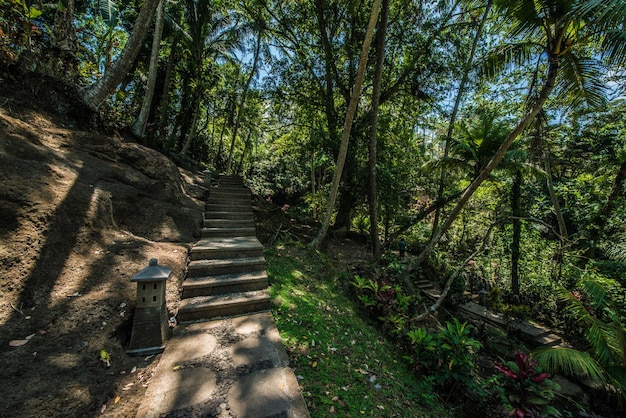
(344, 364)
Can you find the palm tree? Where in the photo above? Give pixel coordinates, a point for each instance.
(212, 34)
(553, 29)
(474, 148)
(602, 319)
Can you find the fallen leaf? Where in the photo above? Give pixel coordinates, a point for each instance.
(177, 367)
(17, 343)
(104, 407)
(332, 410)
(314, 365)
(117, 399)
(342, 403)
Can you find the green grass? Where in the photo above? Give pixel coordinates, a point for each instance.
(344, 364)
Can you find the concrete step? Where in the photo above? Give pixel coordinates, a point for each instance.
(228, 232)
(549, 340)
(226, 283)
(210, 307)
(424, 284)
(227, 247)
(237, 192)
(230, 182)
(228, 215)
(229, 223)
(218, 267)
(227, 207)
(229, 200)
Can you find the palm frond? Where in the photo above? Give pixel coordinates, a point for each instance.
(571, 362)
(614, 46)
(598, 335)
(581, 82)
(508, 57)
(108, 12)
(525, 15)
(609, 12)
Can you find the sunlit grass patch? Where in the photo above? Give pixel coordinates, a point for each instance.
(344, 364)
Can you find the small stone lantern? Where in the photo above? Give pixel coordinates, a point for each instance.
(150, 326)
(207, 177)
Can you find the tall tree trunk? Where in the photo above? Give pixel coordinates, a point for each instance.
(555, 200)
(330, 74)
(372, 144)
(64, 33)
(553, 68)
(165, 95)
(314, 205)
(244, 94)
(455, 110)
(343, 149)
(139, 127)
(97, 93)
(517, 229)
(191, 133)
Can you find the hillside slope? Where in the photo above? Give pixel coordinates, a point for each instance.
(80, 213)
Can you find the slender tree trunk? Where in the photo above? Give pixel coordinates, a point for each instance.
(343, 149)
(246, 147)
(191, 133)
(165, 95)
(64, 33)
(517, 230)
(553, 67)
(314, 205)
(555, 200)
(329, 75)
(372, 145)
(139, 127)
(257, 52)
(455, 110)
(97, 93)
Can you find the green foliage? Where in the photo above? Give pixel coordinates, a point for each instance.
(528, 390)
(447, 355)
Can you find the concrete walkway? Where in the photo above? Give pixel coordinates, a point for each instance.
(231, 367)
(224, 366)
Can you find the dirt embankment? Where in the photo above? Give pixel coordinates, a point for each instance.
(80, 213)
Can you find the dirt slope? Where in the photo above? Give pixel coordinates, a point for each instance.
(80, 213)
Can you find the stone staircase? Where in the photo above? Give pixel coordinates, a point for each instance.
(536, 334)
(226, 275)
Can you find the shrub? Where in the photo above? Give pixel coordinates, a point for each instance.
(528, 390)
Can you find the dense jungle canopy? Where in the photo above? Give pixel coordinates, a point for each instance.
(490, 134)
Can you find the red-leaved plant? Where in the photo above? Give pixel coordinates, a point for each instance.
(528, 390)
